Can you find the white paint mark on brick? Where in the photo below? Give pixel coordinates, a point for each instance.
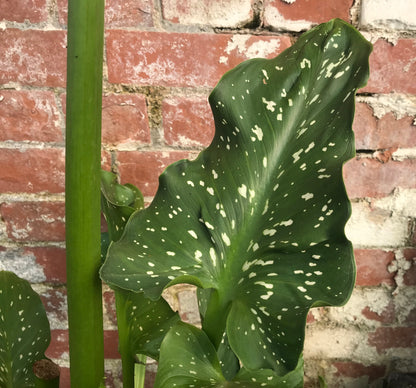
(388, 14)
(23, 265)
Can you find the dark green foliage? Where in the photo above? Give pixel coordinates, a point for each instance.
(257, 220)
(24, 331)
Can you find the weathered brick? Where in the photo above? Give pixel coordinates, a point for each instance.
(216, 13)
(52, 260)
(187, 122)
(301, 15)
(34, 221)
(370, 178)
(386, 132)
(64, 378)
(410, 275)
(143, 168)
(355, 370)
(391, 14)
(188, 306)
(29, 115)
(32, 170)
(124, 119)
(118, 13)
(33, 57)
(59, 346)
(22, 263)
(55, 303)
(376, 228)
(391, 67)
(109, 304)
(34, 11)
(372, 267)
(386, 338)
(386, 316)
(175, 59)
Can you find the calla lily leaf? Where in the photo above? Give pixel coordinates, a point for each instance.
(259, 216)
(118, 203)
(147, 322)
(24, 331)
(189, 359)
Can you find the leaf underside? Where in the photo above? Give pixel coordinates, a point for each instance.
(24, 331)
(259, 216)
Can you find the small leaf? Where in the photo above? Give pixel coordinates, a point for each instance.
(187, 359)
(147, 322)
(24, 331)
(197, 365)
(118, 203)
(322, 382)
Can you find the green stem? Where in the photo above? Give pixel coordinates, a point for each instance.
(133, 373)
(127, 360)
(82, 193)
(215, 318)
(140, 371)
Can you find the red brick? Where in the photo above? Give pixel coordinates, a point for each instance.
(33, 57)
(392, 67)
(385, 338)
(29, 115)
(356, 370)
(370, 178)
(124, 119)
(64, 378)
(411, 318)
(175, 59)
(372, 267)
(410, 275)
(142, 169)
(109, 302)
(34, 221)
(59, 345)
(188, 122)
(52, 260)
(32, 170)
(315, 11)
(111, 344)
(119, 13)
(35, 11)
(387, 132)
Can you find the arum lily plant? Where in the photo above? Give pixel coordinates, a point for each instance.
(256, 223)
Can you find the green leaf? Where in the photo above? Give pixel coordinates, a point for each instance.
(147, 322)
(322, 382)
(118, 203)
(259, 216)
(24, 331)
(197, 365)
(187, 359)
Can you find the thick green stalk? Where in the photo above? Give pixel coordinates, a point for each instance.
(83, 156)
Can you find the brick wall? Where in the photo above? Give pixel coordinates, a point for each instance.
(162, 58)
